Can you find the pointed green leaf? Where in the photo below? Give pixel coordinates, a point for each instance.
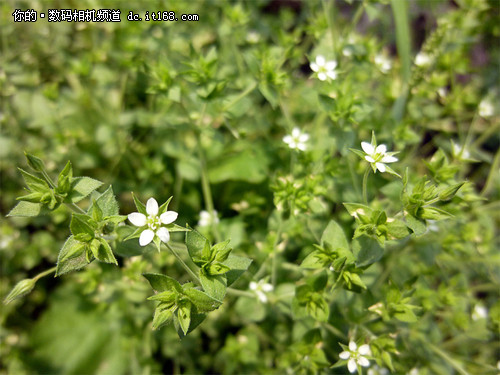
(334, 236)
(34, 183)
(104, 252)
(27, 209)
(367, 251)
(80, 224)
(221, 251)
(416, 225)
(71, 257)
(214, 286)
(238, 266)
(81, 187)
(202, 301)
(161, 283)
(107, 203)
(195, 243)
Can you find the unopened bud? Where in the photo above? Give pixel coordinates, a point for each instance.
(21, 289)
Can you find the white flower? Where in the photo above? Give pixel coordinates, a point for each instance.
(378, 371)
(153, 223)
(378, 156)
(355, 356)
(479, 312)
(414, 371)
(253, 37)
(297, 140)
(442, 92)
(422, 59)
(486, 108)
(206, 219)
(460, 152)
(260, 289)
(324, 69)
(383, 63)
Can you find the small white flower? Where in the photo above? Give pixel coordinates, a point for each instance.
(378, 156)
(479, 312)
(460, 152)
(378, 371)
(422, 59)
(206, 219)
(261, 288)
(297, 140)
(442, 92)
(414, 371)
(324, 69)
(347, 51)
(486, 108)
(383, 63)
(153, 223)
(253, 37)
(356, 356)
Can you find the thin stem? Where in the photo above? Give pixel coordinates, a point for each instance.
(45, 273)
(186, 267)
(274, 270)
(48, 179)
(335, 331)
(75, 208)
(240, 293)
(365, 183)
(457, 366)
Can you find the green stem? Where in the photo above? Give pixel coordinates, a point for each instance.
(240, 293)
(457, 366)
(186, 267)
(274, 270)
(365, 183)
(48, 179)
(330, 18)
(335, 331)
(75, 208)
(45, 273)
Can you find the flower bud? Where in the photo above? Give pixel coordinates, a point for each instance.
(35, 163)
(21, 289)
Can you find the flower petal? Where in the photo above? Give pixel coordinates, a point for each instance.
(314, 67)
(163, 234)
(262, 296)
(168, 217)
(330, 65)
(287, 139)
(345, 355)
(322, 76)
(364, 349)
(296, 132)
(152, 207)
(138, 219)
(367, 147)
(352, 346)
(253, 285)
(301, 146)
(351, 365)
(380, 167)
(304, 137)
(320, 60)
(146, 237)
(389, 159)
(332, 75)
(381, 149)
(363, 361)
(369, 159)
(267, 287)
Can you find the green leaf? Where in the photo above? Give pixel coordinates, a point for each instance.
(356, 210)
(397, 229)
(334, 236)
(107, 203)
(214, 285)
(34, 163)
(221, 251)
(367, 251)
(318, 281)
(328, 103)
(195, 243)
(21, 289)
(202, 301)
(318, 308)
(238, 266)
(104, 252)
(71, 257)
(184, 316)
(216, 268)
(196, 320)
(248, 164)
(34, 183)
(315, 260)
(162, 317)
(416, 225)
(27, 209)
(81, 187)
(80, 224)
(128, 248)
(161, 283)
(434, 213)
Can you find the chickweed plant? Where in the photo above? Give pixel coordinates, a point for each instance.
(270, 187)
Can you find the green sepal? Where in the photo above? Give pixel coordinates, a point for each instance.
(167, 297)
(141, 208)
(164, 206)
(222, 251)
(450, 192)
(391, 171)
(361, 154)
(216, 268)
(64, 180)
(162, 283)
(176, 228)
(162, 317)
(184, 315)
(104, 252)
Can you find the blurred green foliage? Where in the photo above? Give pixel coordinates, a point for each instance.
(198, 110)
